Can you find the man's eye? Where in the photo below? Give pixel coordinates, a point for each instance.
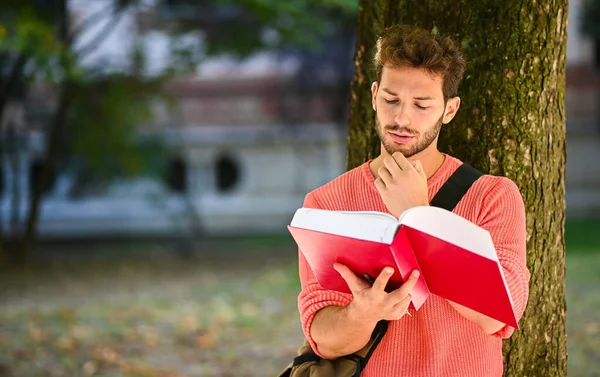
(391, 101)
(421, 107)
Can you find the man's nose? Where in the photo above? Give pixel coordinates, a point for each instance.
(402, 115)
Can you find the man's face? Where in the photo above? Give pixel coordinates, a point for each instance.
(410, 110)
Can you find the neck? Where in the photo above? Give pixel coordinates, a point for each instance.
(431, 159)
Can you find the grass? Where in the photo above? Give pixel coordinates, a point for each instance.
(583, 297)
(160, 317)
(582, 236)
(144, 313)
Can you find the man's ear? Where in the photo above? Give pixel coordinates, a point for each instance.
(452, 106)
(374, 87)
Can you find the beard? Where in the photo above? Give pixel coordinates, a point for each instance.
(422, 141)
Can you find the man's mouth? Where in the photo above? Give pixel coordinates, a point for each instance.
(401, 138)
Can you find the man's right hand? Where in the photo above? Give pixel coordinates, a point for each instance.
(372, 303)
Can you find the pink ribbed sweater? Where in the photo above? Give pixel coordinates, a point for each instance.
(436, 341)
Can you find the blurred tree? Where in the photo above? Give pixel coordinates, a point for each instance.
(511, 123)
(38, 46)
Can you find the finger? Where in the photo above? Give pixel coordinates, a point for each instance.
(404, 290)
(385, 175)
(380, 185)
(402, 161)
(355, 283)
(402, 306)
(392, 166)
(419, 168)
(383, 278)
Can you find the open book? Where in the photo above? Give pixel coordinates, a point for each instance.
(457, 259)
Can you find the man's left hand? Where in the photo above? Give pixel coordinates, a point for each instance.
(401, 184)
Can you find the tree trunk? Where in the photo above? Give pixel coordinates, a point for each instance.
(52, 138)
(14, 143)
(55, 130)
(9, 85)
(511, 123)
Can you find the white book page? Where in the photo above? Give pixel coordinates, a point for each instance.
(363, 225)
(451, 227)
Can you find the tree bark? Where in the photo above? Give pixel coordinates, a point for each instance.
(511, 123)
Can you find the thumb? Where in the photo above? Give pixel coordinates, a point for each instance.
(420, 170)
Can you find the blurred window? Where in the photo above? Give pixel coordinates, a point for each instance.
(176, 176)
(227, 172)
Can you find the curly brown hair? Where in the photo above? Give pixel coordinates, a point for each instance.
(405, 46)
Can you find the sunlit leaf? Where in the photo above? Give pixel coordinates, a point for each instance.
(106, 355)
(35, 332)
(89, 368)
(189, 323)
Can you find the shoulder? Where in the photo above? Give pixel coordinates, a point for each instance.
(491, 186)
(336, 190)
(494, 195)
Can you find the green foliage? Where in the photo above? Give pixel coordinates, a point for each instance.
(240, 27)
(104, 127)
(590, 16)
(29, 34)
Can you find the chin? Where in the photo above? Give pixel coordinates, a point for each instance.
(406, 153)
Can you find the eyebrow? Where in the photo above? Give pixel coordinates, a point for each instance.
(417, 98)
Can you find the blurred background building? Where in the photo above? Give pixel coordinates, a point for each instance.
(243, 139)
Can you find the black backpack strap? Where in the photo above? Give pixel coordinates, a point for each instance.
(361, 357)
(378, 333)
(456, 187)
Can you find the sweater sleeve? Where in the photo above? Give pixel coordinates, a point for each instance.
(503, 215)
(313, 297)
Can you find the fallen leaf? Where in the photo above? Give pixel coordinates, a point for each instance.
(68, 315)
(116, 317)
(131, 335)
(151, 338)
(189, 323)
(22, 354)
(89, 368)
(106, 354)
(169, 373)
(204, 339)
(134, 369)
(81, 333)
(249, 309)
(5, 370)
(35, 332)
(66, 343)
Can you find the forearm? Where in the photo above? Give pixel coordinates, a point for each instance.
(337, 332)
(487, 324)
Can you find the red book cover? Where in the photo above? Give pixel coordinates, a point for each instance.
(322, 250)
(456, 258)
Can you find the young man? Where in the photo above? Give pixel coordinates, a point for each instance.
(418, 75)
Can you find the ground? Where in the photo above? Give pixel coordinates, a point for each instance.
(229, 310)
